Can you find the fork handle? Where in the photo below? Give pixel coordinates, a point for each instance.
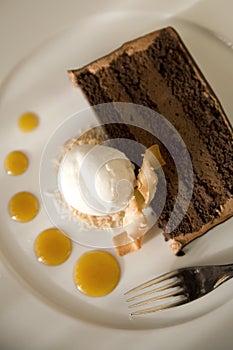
(228, 268)
(225, 273)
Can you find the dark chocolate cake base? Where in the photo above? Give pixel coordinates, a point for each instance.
(158, 72)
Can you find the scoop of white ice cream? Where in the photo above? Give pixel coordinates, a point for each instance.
(114, 181)
(96, 179)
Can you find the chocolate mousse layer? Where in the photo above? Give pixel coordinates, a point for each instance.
(158, 72)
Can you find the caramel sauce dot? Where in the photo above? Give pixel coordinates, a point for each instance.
(28, 121)
(96, 273)
(52, 247)
(23, 206)
(16, 163)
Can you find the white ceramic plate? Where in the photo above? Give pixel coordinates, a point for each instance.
(41, 84)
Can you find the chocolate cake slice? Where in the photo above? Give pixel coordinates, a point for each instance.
(158, 72)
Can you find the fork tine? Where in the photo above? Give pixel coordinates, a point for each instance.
(160, 297)
(159, 307)
(156, 290)
(152, 282)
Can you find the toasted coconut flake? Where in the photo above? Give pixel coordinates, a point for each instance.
(154, 156)
(105, 222)
(134, 221)
(133, 210)
(135, 225)
(147, 181)
(125, 244)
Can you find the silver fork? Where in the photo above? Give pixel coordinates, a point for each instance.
(178, 287)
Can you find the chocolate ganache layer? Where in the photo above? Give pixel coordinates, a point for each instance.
(158, 72)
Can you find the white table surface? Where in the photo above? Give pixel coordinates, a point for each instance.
(28, 323)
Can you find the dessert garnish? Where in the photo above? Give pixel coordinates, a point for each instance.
(16, 163)
(98, 184)
(52, 247)
(96, 273)
(23, 206)
(28, 121)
